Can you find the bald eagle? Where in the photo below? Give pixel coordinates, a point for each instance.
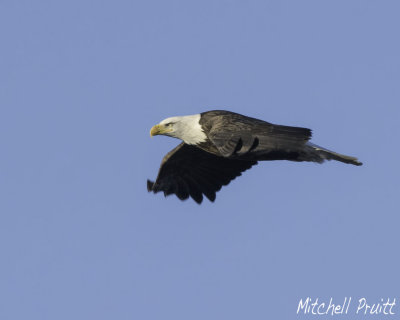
(217, 146)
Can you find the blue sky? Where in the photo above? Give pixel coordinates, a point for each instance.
(81, 84)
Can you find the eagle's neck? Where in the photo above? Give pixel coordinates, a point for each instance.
(189, 129)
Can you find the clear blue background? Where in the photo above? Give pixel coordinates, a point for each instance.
(81, 84)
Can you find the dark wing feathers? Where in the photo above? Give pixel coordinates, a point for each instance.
(189, 171)
(233, 133)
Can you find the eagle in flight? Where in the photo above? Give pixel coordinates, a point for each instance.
(217, 146)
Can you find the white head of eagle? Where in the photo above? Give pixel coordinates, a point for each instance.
(186, 128)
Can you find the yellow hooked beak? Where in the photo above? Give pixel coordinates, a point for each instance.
(159, 129)
(155, 130)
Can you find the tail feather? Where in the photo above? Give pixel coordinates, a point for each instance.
(325, 154)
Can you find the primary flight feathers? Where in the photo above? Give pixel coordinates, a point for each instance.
(219, 145)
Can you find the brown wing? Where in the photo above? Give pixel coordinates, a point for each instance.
(235, 134)
(189, 171)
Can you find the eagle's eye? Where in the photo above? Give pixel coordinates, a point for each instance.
(168, 124)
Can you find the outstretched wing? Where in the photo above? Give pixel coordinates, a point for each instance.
(238, 134)
(189, 171)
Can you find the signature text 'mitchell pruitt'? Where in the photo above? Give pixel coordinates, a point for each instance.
(317, 307)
